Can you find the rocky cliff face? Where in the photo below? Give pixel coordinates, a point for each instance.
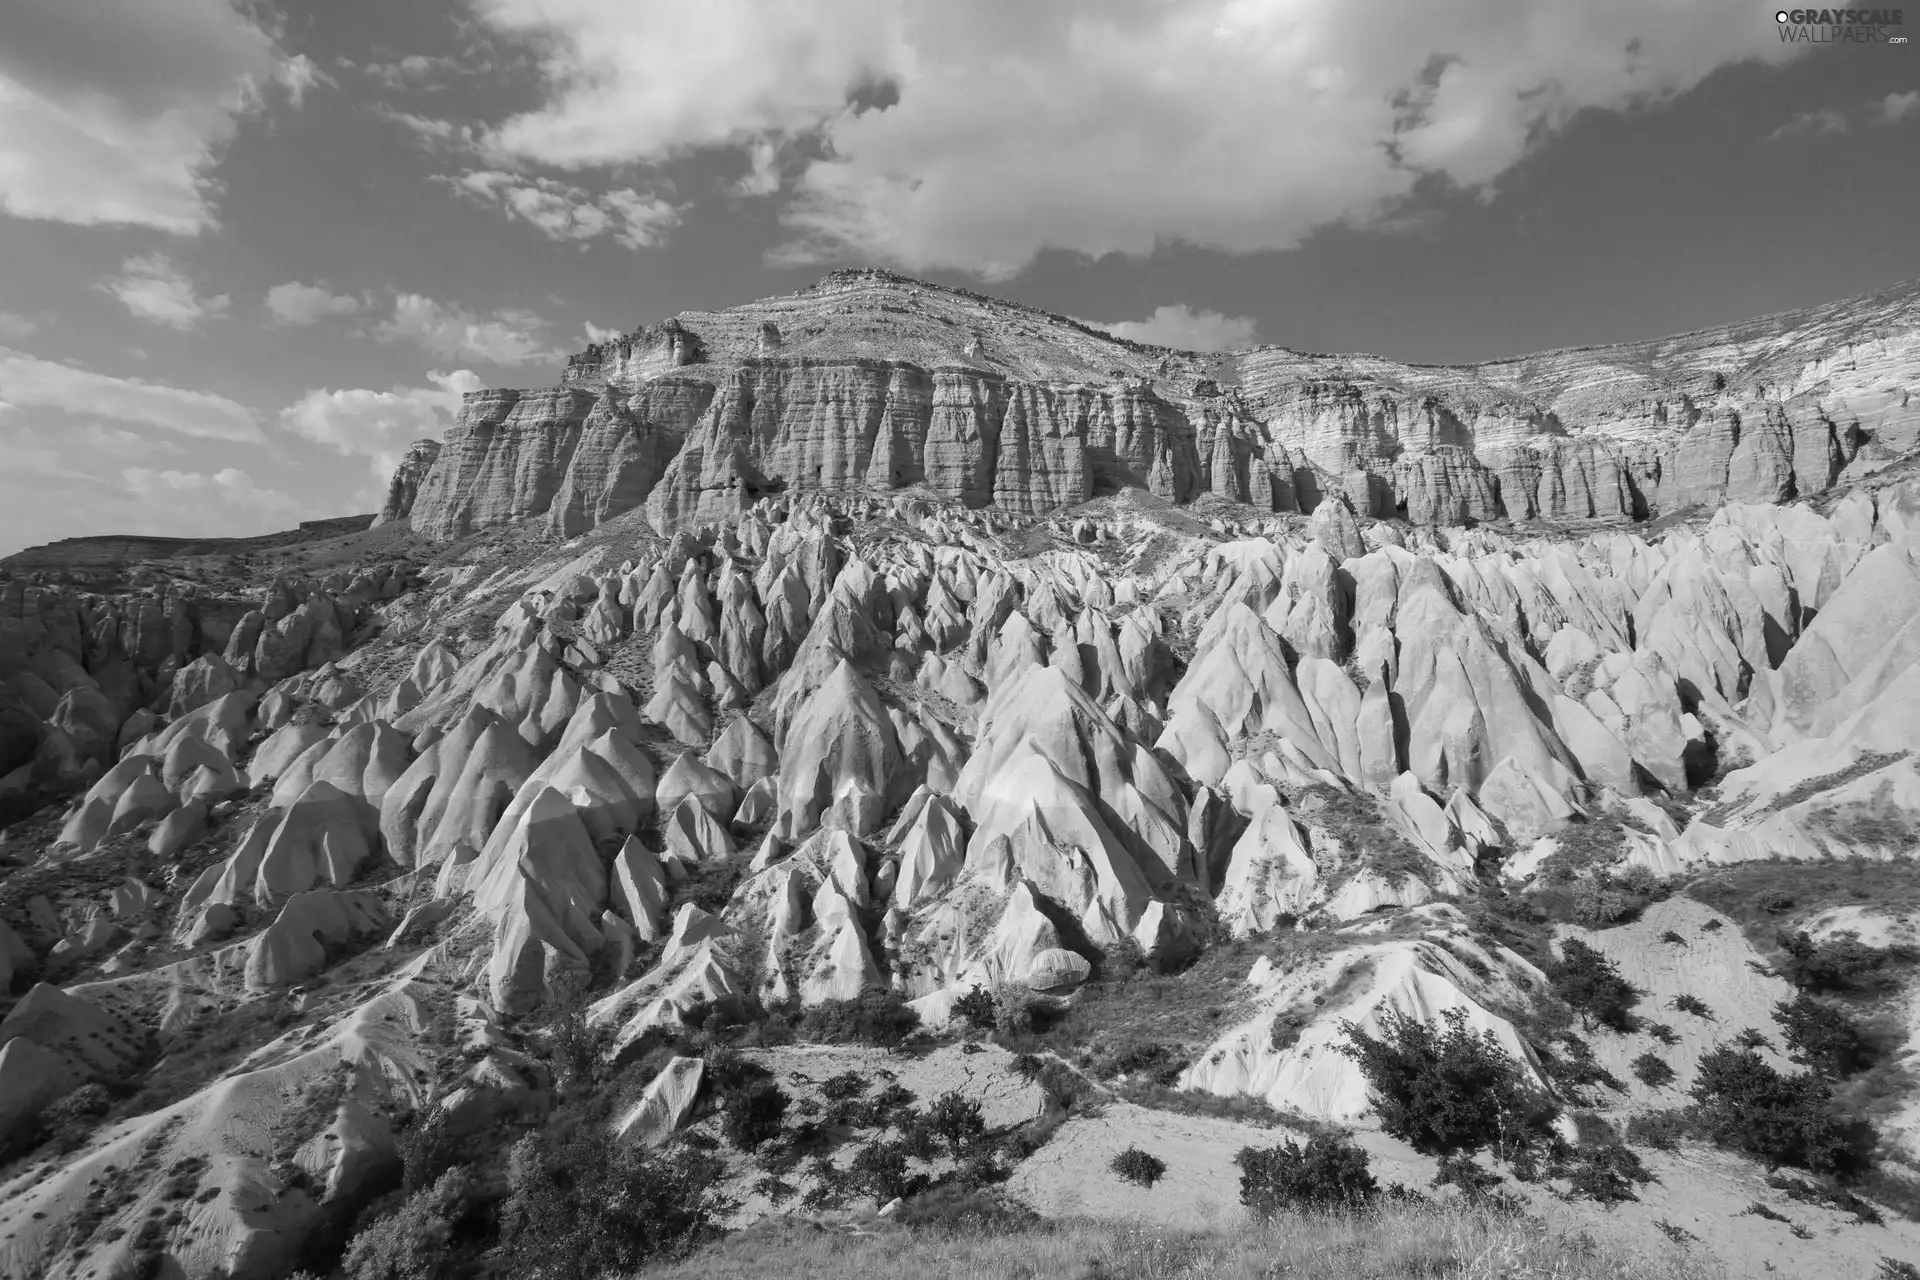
(405, 485)
(870, 381)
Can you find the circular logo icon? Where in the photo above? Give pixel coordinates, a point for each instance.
(1780, 16)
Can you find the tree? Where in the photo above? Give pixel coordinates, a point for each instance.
(754, 1112)
(1745, 1105)
(956, 1119)
(1447, 1092)
(581, 1204)
(978, 1009)
(1330, 1172)
(1823, 1037)
(1593, 985)
(416, 1242)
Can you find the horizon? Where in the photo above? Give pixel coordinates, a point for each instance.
(257, 251)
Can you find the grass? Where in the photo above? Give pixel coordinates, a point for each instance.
(1428, 1241)
(1751, 893)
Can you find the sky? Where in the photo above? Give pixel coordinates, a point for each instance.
(249, 250)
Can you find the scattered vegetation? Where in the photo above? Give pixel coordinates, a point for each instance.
(1823, 1037)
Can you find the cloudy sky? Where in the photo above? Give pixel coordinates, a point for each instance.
(251, 248)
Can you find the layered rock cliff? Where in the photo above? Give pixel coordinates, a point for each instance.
(405, 485)
(870, 381)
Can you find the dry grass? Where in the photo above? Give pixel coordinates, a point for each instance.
(1429, 1241)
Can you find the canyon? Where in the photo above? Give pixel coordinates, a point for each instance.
(886, 651)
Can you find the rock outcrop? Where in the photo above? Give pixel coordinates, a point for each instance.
(873, 382)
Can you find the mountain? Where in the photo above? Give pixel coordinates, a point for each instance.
(869, 382)
(651, 824)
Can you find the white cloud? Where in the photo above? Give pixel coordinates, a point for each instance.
(294, 303)
(596, 334)
(1811, 124)
(565, 212)
(298, 74)
(1181, 327)
(974, 135)
(379, 425)
(185, 494)
(154, 289)
(116, 111)
(14, 326)
(1898, 106)
(29, 382)
(452, 333)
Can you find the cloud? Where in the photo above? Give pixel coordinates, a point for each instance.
(1898, 106)
(1810, 124)
(1181, 327)
(294, 303)
(379, 425)
(14, 326)
(184, 494)
(29, 382)
(565, 212)
(155, 290)
(116, 111)
(596, 334)
(452, 333)
(972, 136)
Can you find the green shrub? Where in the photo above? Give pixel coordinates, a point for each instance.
(1663, 1033)
(978, 1009)
(1661, 1130)
(1141, 1168)
(1447, 1092)
(1841, 964)
(880, 1170)
(580, 1204)
(753, 1116)
(882, 1018)
(1822, 1037)
(956, 1120)
(1604, 1170)
(1652, 1071)
(1687, 1002)
(1593, 985)
(1745, 1105)
(839, 1088)
(1330, 1172)
(419, 1240)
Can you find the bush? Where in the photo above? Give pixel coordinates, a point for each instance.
(1447, 1092)
(965, 1210)
(580, 1204)
(956, 1120)
(1604, 1170)
(1687, 1002)
(978, 1009)
(846, 1085)
(417, 1242)
(880, 1170)
(1745, 1105)
(1330, 1172)
(1661, 1130)
(1592, 984)
(1841, 964)
(882, 1018)
(1652, 1071)
(754, 1113)
(1823, 1037)
(1663, 1033)
(1139, 1167)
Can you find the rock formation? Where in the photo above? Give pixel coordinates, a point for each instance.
(872, 382)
